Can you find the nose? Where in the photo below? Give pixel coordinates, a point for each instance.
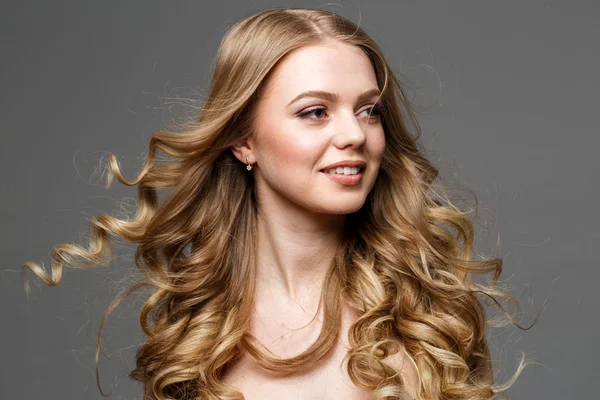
(348, 131)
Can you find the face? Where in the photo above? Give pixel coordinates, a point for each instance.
(300, 135)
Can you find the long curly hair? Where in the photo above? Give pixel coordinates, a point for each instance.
(406, 262)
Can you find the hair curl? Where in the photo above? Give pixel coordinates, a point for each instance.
(405, 264)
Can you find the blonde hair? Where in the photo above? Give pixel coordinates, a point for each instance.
(405, 263)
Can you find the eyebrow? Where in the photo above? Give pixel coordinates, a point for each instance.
(333, 97)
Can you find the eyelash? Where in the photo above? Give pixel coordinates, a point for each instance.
(377, 111)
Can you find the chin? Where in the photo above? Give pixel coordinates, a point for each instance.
(342, 208)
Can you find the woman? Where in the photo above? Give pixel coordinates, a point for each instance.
(303, 250)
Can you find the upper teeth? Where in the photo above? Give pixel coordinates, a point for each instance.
(344, 170)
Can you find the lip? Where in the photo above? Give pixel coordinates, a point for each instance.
(348, 180)
(346, 163)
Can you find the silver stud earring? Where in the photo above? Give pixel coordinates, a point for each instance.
(248, 167)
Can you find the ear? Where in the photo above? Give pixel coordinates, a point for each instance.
(243, 149)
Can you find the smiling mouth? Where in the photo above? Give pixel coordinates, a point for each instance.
(344, 171)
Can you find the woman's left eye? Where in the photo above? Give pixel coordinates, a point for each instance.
(375, 111)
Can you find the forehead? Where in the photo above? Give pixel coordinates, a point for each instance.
(330, 66)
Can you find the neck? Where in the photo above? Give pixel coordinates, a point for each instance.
(294, 252)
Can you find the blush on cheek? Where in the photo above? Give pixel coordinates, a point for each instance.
(285, 154)
(297, 150)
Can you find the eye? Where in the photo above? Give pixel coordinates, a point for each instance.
(375, 112)
(312, 111)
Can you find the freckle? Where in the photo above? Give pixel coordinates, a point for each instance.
(281, 337)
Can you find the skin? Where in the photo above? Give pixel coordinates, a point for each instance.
(302, 211)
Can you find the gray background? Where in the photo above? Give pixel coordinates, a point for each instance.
(511, 93)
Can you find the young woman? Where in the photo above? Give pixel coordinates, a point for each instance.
(303, 250)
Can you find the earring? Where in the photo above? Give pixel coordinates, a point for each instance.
(248, 167)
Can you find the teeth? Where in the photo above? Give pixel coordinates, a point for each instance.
(344, 170)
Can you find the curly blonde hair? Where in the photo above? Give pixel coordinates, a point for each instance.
(406, 262)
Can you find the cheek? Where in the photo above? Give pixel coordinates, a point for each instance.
(377, 144)
(290, 146)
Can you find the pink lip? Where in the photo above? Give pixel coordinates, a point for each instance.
(350, 180)
(346, 163)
